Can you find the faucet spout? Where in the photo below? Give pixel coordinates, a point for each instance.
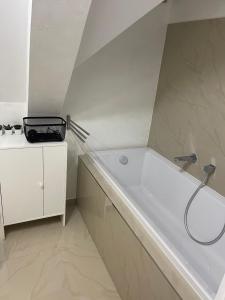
(187, 158)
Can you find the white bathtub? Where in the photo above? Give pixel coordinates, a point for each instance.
(159, 191)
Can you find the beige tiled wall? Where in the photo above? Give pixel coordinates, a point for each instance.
(189, 113)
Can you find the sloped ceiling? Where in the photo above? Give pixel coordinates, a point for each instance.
(56, 31)
(109, 18)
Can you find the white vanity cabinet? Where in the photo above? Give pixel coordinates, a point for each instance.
(32, 180)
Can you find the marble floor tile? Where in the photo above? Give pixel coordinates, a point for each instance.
(41, 260)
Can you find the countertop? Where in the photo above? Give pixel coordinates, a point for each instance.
(19, 141)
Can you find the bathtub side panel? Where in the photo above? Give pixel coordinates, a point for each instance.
(132, 269)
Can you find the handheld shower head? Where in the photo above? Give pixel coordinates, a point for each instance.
(209, 169)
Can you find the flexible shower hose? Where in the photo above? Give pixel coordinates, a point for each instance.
(207, 243)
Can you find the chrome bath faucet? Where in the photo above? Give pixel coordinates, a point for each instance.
(188, 158)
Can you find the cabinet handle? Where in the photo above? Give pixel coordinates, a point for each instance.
(41, 185)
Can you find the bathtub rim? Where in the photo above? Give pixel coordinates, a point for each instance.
(173, 269)
(170, 164)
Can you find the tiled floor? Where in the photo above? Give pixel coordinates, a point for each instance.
(44, 261)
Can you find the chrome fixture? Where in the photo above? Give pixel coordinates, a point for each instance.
(188, 158)
(123, 159)
(80, 132)
(209, 170)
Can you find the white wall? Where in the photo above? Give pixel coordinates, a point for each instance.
(107, 19)
(14, 16)
(56, 33)
(188, 10)
(112, 94)
(12, 112)
(14, 57)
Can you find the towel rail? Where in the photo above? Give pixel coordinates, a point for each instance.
(77, 135)
(78, 126)
(80, 132)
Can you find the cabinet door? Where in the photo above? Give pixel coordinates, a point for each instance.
(21, 178)
(55, 164)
